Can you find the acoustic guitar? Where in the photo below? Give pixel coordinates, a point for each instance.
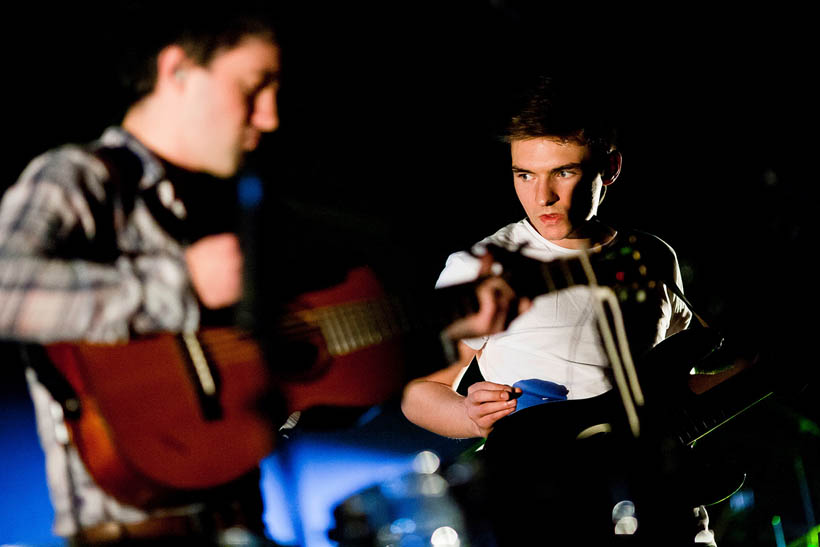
(163, 416)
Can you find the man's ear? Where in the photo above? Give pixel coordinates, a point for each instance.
(612, 167)
(172, 64)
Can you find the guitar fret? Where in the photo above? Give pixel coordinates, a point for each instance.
(355, 318)
(328, 333)
(366, 315)
(361, 325)
(347, 328)
(373, 322)
(344, 328)
(339, 345)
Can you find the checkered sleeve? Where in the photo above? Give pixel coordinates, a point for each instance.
(45, 297)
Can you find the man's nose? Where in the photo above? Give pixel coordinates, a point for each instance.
(265, 116)
(544, 193)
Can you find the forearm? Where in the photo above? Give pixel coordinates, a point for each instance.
(437, 408)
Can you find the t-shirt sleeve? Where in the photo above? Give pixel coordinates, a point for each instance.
(681, 314)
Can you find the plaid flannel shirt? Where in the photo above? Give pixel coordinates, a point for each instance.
(62, 202)
(54, 288)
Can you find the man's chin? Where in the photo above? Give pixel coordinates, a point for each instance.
(227, 169)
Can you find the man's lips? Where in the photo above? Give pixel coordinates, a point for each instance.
(551, 218)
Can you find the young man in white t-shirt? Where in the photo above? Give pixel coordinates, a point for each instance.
(560, 178)
(563, 160)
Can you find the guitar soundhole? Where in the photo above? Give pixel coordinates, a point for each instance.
(295, 359)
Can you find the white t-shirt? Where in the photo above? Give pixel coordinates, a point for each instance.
(557, 339)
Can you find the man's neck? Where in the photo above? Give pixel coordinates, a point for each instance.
(593, 233)
(145, 121)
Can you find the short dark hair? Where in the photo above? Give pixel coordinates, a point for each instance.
(203, 31)
(563, 109)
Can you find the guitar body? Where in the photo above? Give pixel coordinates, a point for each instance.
(564, 433)
(366, 370)
(153, 430)
(142, 430)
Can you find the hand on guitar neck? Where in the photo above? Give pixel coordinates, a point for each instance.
(498, 304)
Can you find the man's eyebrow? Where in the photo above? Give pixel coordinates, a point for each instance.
(567, 166)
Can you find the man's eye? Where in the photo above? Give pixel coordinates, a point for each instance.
(524, 176)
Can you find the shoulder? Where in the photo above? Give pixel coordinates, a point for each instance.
(655, 253)
(71, 168)
(64, 164)
(85, 167)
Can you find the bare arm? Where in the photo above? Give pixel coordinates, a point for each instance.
(432, 403)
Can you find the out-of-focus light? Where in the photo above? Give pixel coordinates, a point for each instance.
(250, 191)
(426, 462)
(412, 541)
(623, 509)
(459, 473)
(623, 516)
(741, 501)
(445, 537)
(433, 485)
(779, 537)
(626, 526)
(403, 526)
(237, 537)
(813, 537)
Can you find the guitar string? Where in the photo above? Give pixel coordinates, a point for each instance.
(620, 357)
(345, 327)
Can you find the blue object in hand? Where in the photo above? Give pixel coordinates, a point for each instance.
(536, 392)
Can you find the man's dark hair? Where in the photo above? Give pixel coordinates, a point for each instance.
(567, 110)
(202, 30)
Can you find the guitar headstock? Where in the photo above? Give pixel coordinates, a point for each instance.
(620, 266)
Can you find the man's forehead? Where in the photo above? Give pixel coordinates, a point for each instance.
(548, 150)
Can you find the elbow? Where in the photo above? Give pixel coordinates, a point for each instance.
(408, 397)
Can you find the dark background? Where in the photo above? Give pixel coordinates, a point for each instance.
(386, 148)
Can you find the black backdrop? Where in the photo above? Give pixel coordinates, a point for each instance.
(386, 146)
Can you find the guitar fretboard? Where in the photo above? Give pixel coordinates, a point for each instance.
(718, 406)
(356, 325)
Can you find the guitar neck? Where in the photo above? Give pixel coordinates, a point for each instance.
(714, 408)
(353, 326)
(359, 323)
